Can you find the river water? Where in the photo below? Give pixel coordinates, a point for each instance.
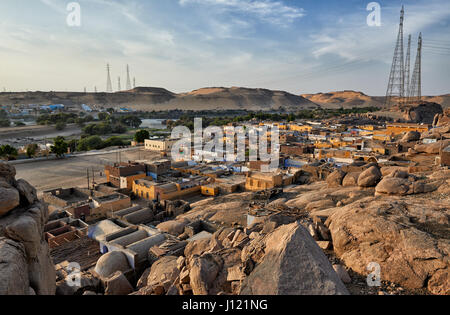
(153, 124)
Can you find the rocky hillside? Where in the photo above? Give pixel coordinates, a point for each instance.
(212, 98)
(349, 99)
(148, 99)
(345, 99)
(25, 264)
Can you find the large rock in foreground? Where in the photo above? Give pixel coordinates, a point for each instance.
(293, 265)
(408, 237)
(25, 263)
(370, 177)
(13, 269)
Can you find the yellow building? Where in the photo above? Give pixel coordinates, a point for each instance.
(261, 181)
(323, 145)
(334, 153)
(159, 145)
(366, 133)
(399, 128)
(126, 182)
(210, 190)
(367, 127)
(171, 191)
(382, 135)
(300, 128)
(281, 126)
(103, 207)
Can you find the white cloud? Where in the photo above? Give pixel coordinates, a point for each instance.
(275, 12)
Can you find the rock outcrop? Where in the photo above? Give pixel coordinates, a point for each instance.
(335, 179)
(423, 113)
(433, 148)
(442, 119)
(25, 263)
(411, 136)
(410, 241)
(370, 177)
(293, 264)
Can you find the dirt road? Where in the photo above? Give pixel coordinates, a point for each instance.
(71, 172)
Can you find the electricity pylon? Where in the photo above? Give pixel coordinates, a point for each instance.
(396, 86)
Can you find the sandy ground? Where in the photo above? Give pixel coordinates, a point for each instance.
(72, 172)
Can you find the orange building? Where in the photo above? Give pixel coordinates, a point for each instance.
(399, 128)
(260, 181)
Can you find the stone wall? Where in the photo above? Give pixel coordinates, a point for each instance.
(25, 264)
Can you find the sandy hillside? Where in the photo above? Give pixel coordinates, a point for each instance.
(346, 99)
(349, 99)
(149, 98)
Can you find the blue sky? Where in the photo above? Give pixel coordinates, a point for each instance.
(299, 46)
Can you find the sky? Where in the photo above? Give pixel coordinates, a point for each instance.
(299, 46)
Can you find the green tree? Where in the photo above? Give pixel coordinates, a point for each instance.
(103, 116)
(141, 136)
(59, 147)
(8, 152)
(5, 122)
(73, 144)
(114, 142)
(131, 121)
(32, 150)
(90, 143)
(60, 126)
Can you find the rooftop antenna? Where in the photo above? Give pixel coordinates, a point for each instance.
(108, 80)
(128, 78)
(396, 86)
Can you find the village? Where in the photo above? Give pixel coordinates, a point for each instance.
(145, 212)
(224, 155)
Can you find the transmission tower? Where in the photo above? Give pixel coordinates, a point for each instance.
(108, 80)
(128, 78)
(396, 86)
(408, 70)
(119, 87)
(415, 92)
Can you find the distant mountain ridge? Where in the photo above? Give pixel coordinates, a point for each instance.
(349, 99)
(209, 98)
(153, 98)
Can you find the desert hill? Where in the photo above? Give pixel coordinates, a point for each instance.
(346, 99)
(444, 100)
(349, 99)
(151, 98)
(210, 98)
